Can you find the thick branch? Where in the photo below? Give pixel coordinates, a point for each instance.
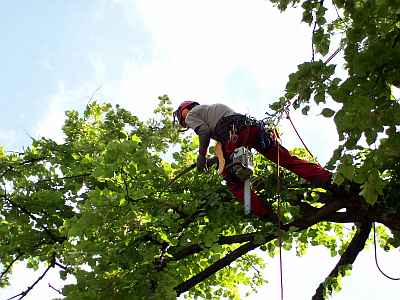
(300, 224)
(328, 212)
(392, 221)
(348, 257)
(215, 267)
(223, 240)
(320, 215)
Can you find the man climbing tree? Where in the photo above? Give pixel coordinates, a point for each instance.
(100, 206)
(234, 130)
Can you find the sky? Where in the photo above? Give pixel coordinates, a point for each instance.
(56, 55)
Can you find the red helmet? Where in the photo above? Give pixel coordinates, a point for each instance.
(178, 113)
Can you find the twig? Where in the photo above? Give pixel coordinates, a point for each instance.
(183, 172)
(27, 212)
(128, 197)
(312, 42)
(25, 162)
(53, 288)
(60, 265)
(24, 293)
(337, 11)
(10, 265)
(94, 94)
(65, 177)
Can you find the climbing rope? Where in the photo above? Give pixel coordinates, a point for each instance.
(278, 193)
(298, 135)
(286, 107)
(275, 119)
(376, 258)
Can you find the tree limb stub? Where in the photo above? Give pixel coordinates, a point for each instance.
(348, 257)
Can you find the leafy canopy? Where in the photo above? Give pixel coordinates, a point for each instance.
(104, 207)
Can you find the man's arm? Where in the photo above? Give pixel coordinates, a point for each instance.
(201, 128)
(204, 138)
(204, 141)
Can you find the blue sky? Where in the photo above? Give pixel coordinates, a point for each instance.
(53, 45)
(55, 54)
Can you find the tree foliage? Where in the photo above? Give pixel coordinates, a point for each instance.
(108, 205)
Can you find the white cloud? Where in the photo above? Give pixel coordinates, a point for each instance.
(396, 92)
(198, 45)
(50, 126)
(7, 138)
(99, 67)
(47, 64)
(227, 32)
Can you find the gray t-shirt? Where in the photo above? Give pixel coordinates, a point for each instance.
(203, 118)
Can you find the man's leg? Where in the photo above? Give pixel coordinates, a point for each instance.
(313, 173)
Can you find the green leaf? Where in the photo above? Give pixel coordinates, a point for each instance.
(305, 110)
(327, 112)
(371, 189)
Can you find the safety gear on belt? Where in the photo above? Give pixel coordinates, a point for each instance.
(178, 113)
(228, 129)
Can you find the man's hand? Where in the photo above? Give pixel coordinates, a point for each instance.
(201, 163)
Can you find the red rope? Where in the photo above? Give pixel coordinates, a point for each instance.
(278, 192)
(298, 135)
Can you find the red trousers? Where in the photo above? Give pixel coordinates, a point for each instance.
(248, 137)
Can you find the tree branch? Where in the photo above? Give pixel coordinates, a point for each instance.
(300, 224)
(64, 178)
(27, 212)
(25, 162)
(10, 265)
(24, 293)
(57, 290)
(215, 267)
(392, 221)
(348, 257)
(223, 240)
